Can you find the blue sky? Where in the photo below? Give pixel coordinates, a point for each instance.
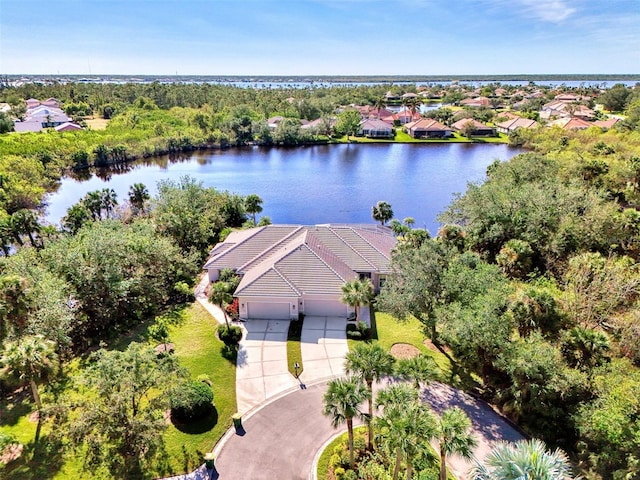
(319, 37)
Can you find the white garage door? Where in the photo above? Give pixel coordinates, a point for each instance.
(269, 311)
(325, 308)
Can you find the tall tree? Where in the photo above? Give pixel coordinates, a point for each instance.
(454, 437)
(30, 359)
(527, 459)
(93, 202)
(77, 216)
(119, 424)
(348, 123)
(357, 293)
(109, 200)
(222, 296)
(369, 362)
(253, 205)
(138, 196)
(382, 212)
(406, 428)
(25, 222)
(342, 402)
(415, 284)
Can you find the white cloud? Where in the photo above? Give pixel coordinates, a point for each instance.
(555, 11)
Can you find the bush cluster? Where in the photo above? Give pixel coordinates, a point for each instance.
(230, 335)
(191, 401)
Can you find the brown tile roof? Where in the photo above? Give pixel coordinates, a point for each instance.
(518, 122)
(426, 124)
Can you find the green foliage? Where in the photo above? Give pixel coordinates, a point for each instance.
(230, 335)
(191, 401)
(382, 212)
(118, 422)
(192, 215)
(357, 293)
(349, 124)
(120, 274)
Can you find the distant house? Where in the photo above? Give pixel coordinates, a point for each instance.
(427, 128)
(479, 129)
(406, 116)
(391, 97)
(571, 124)
(561, 109)
(514, 124)
(67, 127)
(608, 123)
(41, 115)
(477, 102)
(274, 121)
(374, 128)
(409, 95)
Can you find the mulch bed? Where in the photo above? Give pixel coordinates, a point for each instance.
(404, 350)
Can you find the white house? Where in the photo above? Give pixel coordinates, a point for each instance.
(292, 269)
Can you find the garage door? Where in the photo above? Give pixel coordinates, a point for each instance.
(325, 308)
(269, 311)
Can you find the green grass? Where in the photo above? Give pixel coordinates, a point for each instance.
(294, 349)
(403, 137)
(198, 350)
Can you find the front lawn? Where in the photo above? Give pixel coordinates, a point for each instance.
(198, 350)
(201, 353)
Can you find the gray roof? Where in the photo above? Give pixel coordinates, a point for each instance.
(290, 260)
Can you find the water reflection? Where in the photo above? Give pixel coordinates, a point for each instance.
(313, 184)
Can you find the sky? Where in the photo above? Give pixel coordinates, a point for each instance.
(319, 37)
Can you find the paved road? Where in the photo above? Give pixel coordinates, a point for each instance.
(282, 438)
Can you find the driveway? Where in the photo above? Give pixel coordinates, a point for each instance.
(261, 368)
(323, 343)
(281, 439)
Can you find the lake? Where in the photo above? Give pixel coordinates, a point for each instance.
(315, 184)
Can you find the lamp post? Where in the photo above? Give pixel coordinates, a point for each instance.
(296, 367)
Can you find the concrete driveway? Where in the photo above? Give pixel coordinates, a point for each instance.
(261, 368)
(324, 346)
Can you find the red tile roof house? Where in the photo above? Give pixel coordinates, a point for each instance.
(476, 102)
(571, 124)
(374, 128)
(479, 129)
(405, 116)
(292, 269)
(427, 128)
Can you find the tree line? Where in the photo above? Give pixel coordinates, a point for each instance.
(532, 287)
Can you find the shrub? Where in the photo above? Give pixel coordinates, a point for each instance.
(233, 309)
(339, 473)
(231, 335)
(191, 401)
(183, 292)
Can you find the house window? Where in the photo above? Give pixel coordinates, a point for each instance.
(381, 281)
(365, 275)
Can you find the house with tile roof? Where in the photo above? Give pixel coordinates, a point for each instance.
(291, 269)
(374, 128)
(427, 128)
(515, 123)
(479, 129)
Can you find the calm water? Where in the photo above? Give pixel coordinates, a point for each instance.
(317, 184)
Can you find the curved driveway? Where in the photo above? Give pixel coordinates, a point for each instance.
(281, 439)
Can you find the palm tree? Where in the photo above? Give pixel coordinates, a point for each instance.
(253, 205)
(342, 402)
(585, 348)
(526, 459)
(407, 429)
(23, 222)
(382, 212)
(220, 295)
(398, 228)
(109, 200)
(396, 395)
(138, 195)
(93, 202)
(369, 362)
(356, 293)
(379, 103)
(6, 236)
(77, 216)
(409, 222)
(29, 359)
(455, 437)
(420, 369)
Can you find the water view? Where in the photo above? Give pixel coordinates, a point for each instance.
(316, 184)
